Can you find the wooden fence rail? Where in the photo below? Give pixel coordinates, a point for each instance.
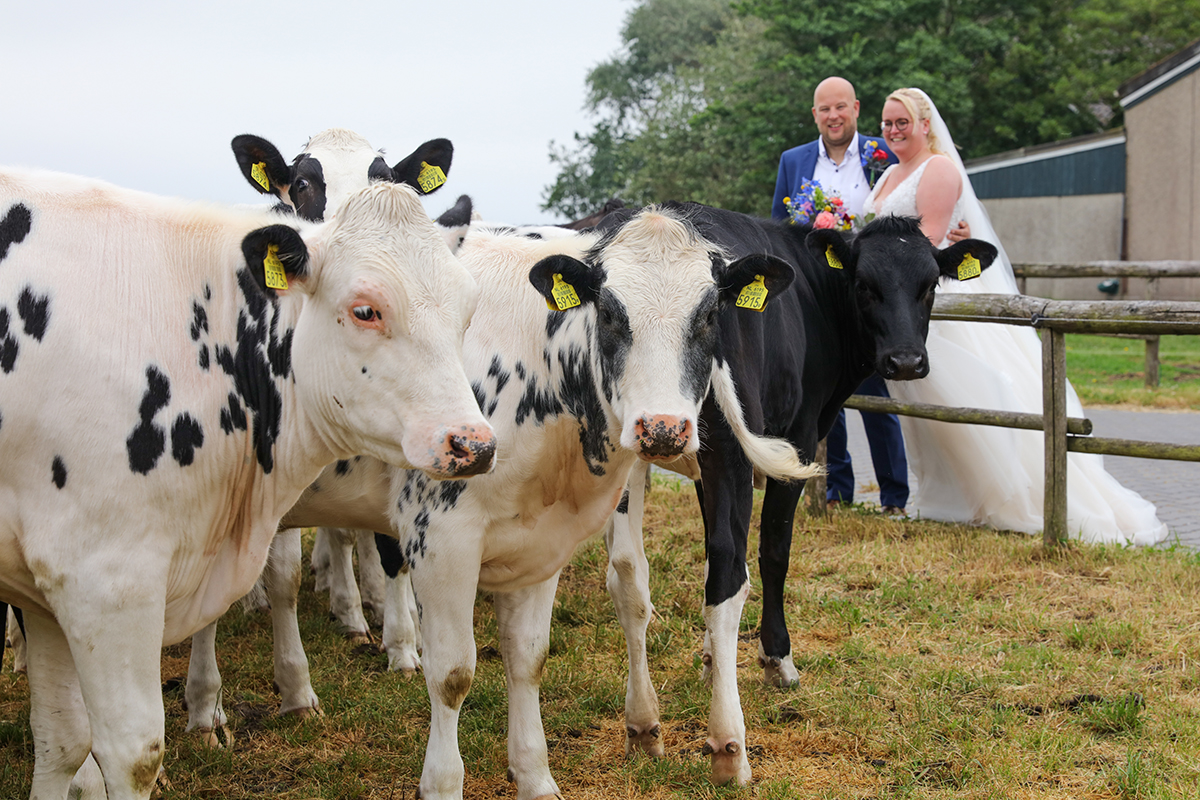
(1150, 270)
(1061, 434)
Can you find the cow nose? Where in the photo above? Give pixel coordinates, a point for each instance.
(662, 436)
(904, 366)
(466, 451)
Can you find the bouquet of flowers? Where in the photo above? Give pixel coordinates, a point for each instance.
(874, 160)
(814, 206)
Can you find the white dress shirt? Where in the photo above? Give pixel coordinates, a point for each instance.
(846, 178)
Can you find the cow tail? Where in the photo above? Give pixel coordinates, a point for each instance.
(774, 457)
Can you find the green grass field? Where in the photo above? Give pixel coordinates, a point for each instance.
(936, 661)
(1109, 371)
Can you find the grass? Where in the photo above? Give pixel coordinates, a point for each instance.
(936, 661)
(1109, 371)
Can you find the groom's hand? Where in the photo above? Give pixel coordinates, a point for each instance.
(963, 231)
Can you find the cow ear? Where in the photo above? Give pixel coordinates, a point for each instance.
(261, 164)
(426, 168)
(455, 221)
(966, 259)
(566, 282)
(831, 251)
(276, 257)
(740, 280)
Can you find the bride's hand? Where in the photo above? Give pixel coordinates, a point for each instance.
(963, 231)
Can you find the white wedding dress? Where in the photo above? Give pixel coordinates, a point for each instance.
(992, 476)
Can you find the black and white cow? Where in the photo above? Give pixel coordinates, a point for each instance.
(172, 376)
(333, 164)
(859, 304)
(576, 396)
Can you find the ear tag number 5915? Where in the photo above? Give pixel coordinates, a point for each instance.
(564, 294)
(753, 295)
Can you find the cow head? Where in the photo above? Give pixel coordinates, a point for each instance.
(895, 272)
(333, 165)
(376, 354)
(655, 287)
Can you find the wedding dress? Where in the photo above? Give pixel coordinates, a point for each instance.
(985, 475)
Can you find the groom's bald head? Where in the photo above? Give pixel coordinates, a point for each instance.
(835, 110)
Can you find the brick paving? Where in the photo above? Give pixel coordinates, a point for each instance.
(1174, 486)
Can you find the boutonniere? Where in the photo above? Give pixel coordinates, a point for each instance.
(874, 160)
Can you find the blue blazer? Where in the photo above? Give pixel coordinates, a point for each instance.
(798, 164)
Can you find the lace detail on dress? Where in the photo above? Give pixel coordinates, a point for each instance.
(902, 202)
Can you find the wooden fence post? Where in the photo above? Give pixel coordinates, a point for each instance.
(1054, 413)
(1152, 362)
(814, 489)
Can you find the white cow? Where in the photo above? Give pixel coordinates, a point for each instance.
(333, 164)
(161, 407)
(576, 397)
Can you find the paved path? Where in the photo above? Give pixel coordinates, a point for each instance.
(1174, 486)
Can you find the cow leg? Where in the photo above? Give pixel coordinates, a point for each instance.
(629, 588)
(371, 577)
(401, 630)
(61, 732)
(447, 599)
(523, 619)
(728, 500)
(344, 600)
(320, 560)
(774, 550)
(16, 639)
(202, 695)
(282, 574)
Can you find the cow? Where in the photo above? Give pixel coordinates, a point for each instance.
(172, 376)
(859, 304)
(615, 371)
(333, 164)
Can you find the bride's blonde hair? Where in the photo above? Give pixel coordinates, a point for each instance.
(914, 102)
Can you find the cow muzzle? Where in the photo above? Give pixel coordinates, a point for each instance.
(903, 366)
(462, 451)
(661, 438)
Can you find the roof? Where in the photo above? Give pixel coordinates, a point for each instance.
(1041, 152)
(1160, 76)
(1084, 165)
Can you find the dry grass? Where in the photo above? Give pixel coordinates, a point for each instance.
(936, 661)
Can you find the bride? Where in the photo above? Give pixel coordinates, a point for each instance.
(972, 473)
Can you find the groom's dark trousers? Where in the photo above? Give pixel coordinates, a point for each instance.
(887, 453)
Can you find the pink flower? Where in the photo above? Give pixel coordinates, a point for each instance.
(825, 220)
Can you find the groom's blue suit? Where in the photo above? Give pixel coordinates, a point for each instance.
(883, 430)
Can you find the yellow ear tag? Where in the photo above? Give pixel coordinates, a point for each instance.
(273, 268)
(430, 177)
(753, 294)
(969, 268)
(564, 294)
(259, 173)
(832, 258)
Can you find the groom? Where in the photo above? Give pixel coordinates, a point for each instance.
(835, 161)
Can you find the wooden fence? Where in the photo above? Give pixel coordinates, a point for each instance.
(1152, 271)
(1061, 434)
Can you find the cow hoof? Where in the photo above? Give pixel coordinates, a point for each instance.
(648, 741)
(404, 660)
(217, 738)
(360, 638)
(777, 671)
(729, 763)
(161, 784)
(303, 712)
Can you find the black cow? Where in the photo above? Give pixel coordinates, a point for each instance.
(859, 304)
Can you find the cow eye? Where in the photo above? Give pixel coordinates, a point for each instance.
(365, 313)
(301, 185)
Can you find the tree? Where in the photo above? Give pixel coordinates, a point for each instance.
(701, 108)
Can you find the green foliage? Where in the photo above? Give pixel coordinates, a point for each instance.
(706, 94)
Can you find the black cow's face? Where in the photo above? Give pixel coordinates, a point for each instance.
(895, 271)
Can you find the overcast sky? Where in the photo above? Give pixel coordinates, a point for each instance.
(148, 95)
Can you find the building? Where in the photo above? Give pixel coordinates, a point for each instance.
(1132, 193)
